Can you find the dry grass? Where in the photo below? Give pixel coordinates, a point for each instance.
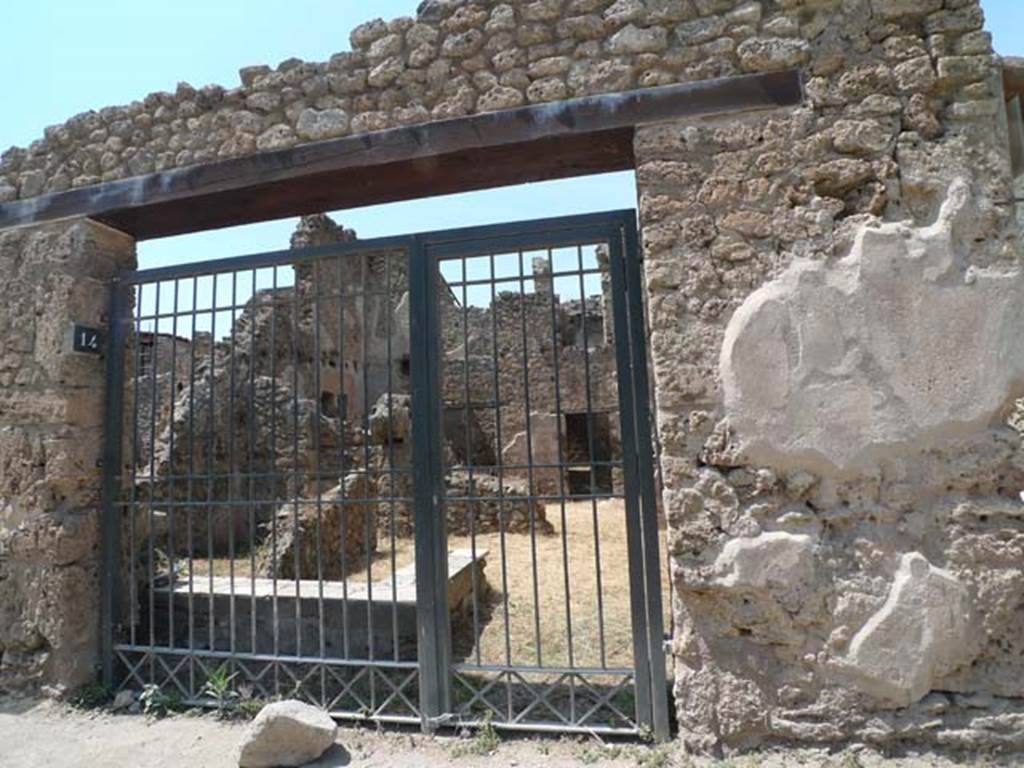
(527, 590)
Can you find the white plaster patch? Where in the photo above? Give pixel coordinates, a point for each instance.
(776, 559)
(889, 350)
(925, 630)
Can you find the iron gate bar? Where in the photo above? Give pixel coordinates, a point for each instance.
(252, 478)
(170, 527)
(590, 462)
(150, 570)
(110, 599)
(529, 460)
(209, 460)
(501, 485)
(433, 672)
(275, 605)
(526, 235)
(296, 543)
(343, 415)
(229, 307)
(566, 581)
(637, 318)
(191, 488)
(264, 260)
(431, 536)
(641, 654)
(474, 585)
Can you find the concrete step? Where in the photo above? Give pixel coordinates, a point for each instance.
(359, 620)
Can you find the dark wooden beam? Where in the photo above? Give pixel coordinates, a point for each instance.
(548, 141)
(463, 171)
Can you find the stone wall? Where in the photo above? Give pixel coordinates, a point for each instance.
(544, 372)
(455, 58)
(841, 488)
(861, 584)
(51, 438)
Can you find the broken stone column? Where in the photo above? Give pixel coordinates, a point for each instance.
(51, 443)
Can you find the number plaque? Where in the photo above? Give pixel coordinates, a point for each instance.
(86, 339)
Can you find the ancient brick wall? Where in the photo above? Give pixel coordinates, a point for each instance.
(842, 492)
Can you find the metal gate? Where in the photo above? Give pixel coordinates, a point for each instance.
(407, 480)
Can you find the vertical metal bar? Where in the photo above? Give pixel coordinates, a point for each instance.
(470, 513)
(251, 411)
(296, 476)
(191, 486)
(233, 640)
(531, 505)
(151, 481)
(495, 371)
(210, 450)
(501, 485)
(388, 309)
(318, 405)
(634, 533)
(433, 631)
(113, 425)
(369, 508)
(649, 511)
(274, 475)
(133, 600)
(342, 427)
(172, 550)
(590, 458)
(556, 348)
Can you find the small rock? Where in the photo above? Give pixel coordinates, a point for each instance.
(632, 39)
(762, 54)
(317, 125)
(287, 733)
(123, 700)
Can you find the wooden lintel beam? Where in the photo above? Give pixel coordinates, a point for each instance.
(547, 141)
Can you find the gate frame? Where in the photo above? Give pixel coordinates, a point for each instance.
(425, 251)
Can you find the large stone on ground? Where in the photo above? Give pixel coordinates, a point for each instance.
(287, 733)
(900, 346)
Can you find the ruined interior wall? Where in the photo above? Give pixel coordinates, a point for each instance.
(822, 596)
(544, 372)
(51, 441)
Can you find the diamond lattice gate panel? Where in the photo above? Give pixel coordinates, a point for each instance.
(406, 479)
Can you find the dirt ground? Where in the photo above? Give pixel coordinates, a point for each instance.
(42, 733)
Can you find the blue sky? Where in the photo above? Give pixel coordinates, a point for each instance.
(67, 56)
